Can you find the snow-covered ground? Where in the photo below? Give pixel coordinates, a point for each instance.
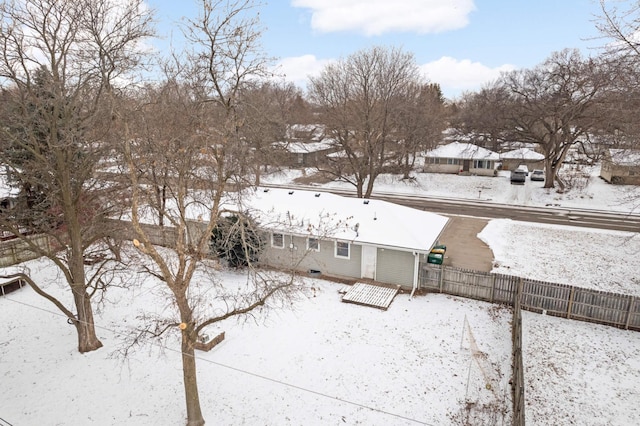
(326, 362)
(321, 362)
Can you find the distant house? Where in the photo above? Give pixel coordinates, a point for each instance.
(621, 166)
(305, 154)
(344, 236)
(530, 158)
(307, 132)
(461, 158)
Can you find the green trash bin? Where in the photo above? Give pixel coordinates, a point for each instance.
(435, 258)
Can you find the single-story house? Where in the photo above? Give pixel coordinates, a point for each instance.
(530, 158)
(461, 158)
(344, 236)
(621, 166)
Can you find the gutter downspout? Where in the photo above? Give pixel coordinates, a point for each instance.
(416, 265)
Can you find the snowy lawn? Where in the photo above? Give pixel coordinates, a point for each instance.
(577, 373)
(591, 258)
(323, 362)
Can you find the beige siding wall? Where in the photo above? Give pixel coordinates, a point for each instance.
(395, 267)
(296, 255)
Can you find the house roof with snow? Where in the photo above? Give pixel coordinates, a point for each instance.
(306, 147)
(465, 151)
(522, 154)
(367, 222)
(6, 190)
(625, 157)
(313, 131)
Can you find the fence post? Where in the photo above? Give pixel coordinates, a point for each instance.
(441, 276)
(493, 286)
(632, 305)
(570, 305)
(517, 295)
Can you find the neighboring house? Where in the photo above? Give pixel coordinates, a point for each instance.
(306, 154)
(345, 237)
(309, 132)
(621, 166)
(461, 158)
(526, 156)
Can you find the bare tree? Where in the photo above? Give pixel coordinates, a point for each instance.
(554, 105)
(267, 108)
(207, 157)
(619, 25)
(420, 120)
(357, 98)
(479, 117)
(60, 62)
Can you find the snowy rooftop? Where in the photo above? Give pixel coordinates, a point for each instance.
(314, 131)
(302, 147)
(372, 222)
(5, 189)
(625, 157)
(522, 154)
(465, 151)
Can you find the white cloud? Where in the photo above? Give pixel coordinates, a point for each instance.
(375, 17)
(298, 69)
(455, 76)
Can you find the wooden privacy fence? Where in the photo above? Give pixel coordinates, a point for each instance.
(618, 310)
(17, 251)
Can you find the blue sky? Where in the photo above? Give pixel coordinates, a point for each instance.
(459, 44)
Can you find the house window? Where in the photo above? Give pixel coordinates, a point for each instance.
(313, 244)
(452, 161)
(481, 164)
(277, 240)
(342, 249)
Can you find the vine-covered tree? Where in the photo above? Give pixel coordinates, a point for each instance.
(237, 241)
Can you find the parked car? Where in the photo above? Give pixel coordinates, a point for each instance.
(537, 175)
(523, 168)
(518, 177)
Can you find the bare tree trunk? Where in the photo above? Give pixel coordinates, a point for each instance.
(189, 372)
(87, 339)
(190, 379)
(359, 188)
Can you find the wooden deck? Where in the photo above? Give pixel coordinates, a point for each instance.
(371, 295)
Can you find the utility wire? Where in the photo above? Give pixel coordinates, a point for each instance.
(280, 382)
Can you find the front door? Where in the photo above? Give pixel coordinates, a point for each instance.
(465, 165)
